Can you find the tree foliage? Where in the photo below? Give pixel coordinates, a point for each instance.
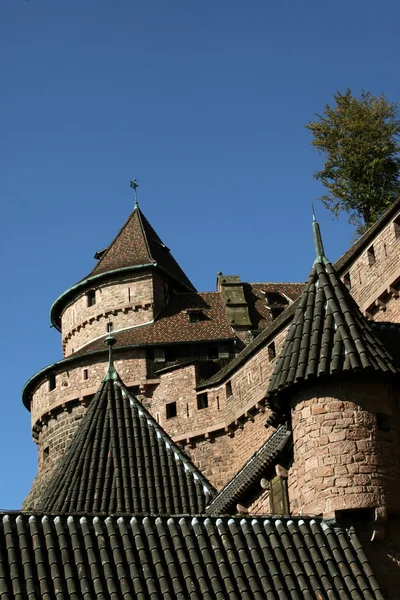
(358, 139)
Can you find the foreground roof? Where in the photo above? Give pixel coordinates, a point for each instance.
(180, 558)
(120, 459)
(262, 460)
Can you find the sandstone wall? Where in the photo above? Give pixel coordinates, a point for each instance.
(346, 437)
(374, 276)
(125, 304)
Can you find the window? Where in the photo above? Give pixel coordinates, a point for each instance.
(228, 389)
(271, 351)
(91, 297)
(85, 374)
(52, 381)
(46, 453)
(202, 401)
(195, 316)
(278, 496)
(249, 378)
(159, 355)
(109, 327)
(347, 281)
(396, 225)
(371, 255)
(170, 410)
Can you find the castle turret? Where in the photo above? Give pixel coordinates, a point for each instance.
(336, 383)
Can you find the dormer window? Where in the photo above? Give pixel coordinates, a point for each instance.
(195, 316)
(275, 298)
(91, 297)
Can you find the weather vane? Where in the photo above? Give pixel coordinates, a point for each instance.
(134, 186)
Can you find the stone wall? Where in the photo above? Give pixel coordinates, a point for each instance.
(374, 276)
(124, 304)
(346, 437)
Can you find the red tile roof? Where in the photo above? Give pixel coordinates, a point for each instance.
(174, 326)
(138, 244)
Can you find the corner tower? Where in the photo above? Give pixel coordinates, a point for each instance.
(338, 386)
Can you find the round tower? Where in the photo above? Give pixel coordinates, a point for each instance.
(338, 387)
(130, 284)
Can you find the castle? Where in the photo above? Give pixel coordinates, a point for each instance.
(274, 398)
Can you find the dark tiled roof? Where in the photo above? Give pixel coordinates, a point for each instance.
(328, 335)
(180, 558)
(252, 470)
(173, 324)
(121, 460)
(137, 244)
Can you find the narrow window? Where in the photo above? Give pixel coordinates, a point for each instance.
(347, 281)
(170, 410)
(228, 389)
(371, 255)
(187, 410)
(396, 224)
(46, 453)
(278, 496)
(52, 381)
(202, 401)
(129, 294)
(248, 378)
(109, 327)
(91, 297)
(271, 351)
(85, 374)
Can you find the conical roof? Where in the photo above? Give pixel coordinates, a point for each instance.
(120, 460)
(328, 334)
(138, 244)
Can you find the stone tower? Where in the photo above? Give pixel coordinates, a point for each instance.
(337, 385)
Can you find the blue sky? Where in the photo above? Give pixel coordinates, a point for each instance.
(204, 103)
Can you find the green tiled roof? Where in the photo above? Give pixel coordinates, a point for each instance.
(121, 460)
(262, 460)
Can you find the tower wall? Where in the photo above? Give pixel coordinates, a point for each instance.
(125, 303)
(346, 436)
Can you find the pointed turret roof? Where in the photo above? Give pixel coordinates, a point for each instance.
(138, 244)
(328, 333)
(120, 460)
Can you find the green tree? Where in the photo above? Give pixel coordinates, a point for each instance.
(359, 140)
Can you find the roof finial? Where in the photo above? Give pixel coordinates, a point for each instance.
(318, 245)
(111, 372)
(135, 185)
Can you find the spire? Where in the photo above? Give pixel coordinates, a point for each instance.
(328, 335)
(318, 244)
(120, 460)
(137, 245)
(134, 186)
(111, 372)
